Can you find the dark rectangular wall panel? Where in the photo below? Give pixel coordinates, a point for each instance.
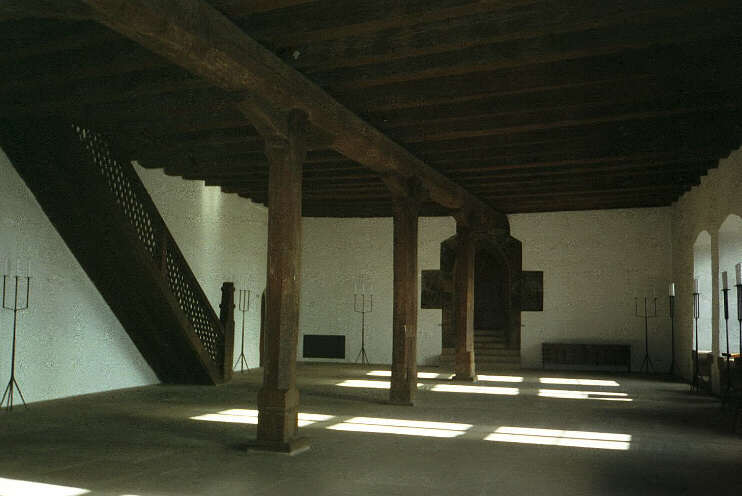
(324, 346)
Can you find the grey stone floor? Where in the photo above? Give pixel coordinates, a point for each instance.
(145, 441)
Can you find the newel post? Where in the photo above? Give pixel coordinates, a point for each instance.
(226, 316)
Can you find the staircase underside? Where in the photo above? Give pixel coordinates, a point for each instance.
(105, 216)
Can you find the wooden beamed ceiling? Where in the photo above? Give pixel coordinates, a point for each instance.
(529, 105)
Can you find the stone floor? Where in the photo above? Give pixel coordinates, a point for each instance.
(581, 436)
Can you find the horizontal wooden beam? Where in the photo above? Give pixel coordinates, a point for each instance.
(195, 36)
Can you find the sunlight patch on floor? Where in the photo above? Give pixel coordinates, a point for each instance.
(553, 437)
(459, 388)
(242, 416)
(13, 487)
(577, 382)
(420, 375)
(402, 427)
(583, 395)
(363, 383)
(499, 378)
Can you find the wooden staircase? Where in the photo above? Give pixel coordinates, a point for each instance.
(99, 206)
(491, 352)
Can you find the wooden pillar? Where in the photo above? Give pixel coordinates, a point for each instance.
(404, 323)
(226, 316)
(278, 399)
(463, 280)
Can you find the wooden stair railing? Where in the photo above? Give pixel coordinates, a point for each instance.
(99, 206)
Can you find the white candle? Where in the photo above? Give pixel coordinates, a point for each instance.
(695, 285)
(724, 280)
(672, 289)
(738, 267)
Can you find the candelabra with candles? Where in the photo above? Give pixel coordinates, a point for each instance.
(672, 329)
(647, 361)
(363, 303)
(244, 307)
(19, 278)
(696, 383)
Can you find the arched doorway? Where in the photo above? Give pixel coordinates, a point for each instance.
(491, 307)
(498, 270)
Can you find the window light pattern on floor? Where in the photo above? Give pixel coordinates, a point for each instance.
(499, 378)
(363, 383)
(402, 427)
(583, 395)
(420, 375)
(578, 382)
(458, 388)
(241, 416)
(552, 437)
(13, 487)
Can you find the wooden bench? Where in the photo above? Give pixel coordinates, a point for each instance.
(586, 354)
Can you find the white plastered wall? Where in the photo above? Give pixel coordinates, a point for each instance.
(594, 264)
(69, 341)
(334, 252)
(223, 237)
(704, 208)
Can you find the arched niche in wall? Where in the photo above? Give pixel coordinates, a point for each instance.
(730, 254)
(702, 272)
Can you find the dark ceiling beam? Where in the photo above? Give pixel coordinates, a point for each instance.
(78, 35)
(21, 9)
(195, 36)
(233, 8)
(676, 66)
(555, 104)
(479, 127)
(486, 28)
(331, 19)
(654, 159)
(518, 53)
(88, 96)
(116, 57)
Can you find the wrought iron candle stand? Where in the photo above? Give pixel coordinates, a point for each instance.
(13, 383)
(672, 334)
(727, 356)
(244, 307)
(359, 306)
(696, 383)
(647, 361)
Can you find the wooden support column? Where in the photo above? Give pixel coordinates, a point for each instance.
(463, 280)
(404, 339)
(278, 399)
